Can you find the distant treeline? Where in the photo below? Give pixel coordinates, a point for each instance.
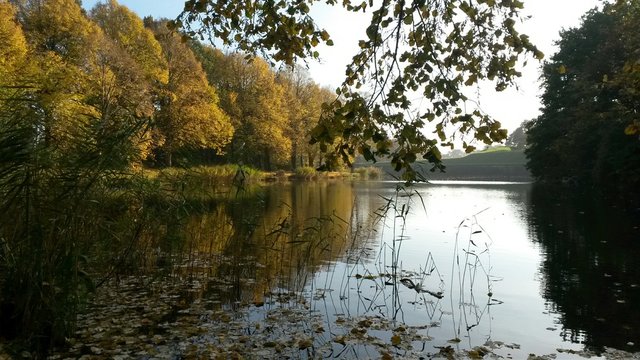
(107, 81)
(489, 166)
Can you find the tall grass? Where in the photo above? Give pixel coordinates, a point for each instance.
(52, 201)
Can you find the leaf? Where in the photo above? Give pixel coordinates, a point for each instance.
(632, 129)
(396, 340)
(562, 69)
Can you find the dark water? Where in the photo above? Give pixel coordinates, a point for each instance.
(464, 263)
(590, 268)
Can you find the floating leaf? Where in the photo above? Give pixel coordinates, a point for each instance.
(632, 129)
(395, 340)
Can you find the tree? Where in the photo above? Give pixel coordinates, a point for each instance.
(61, 27)
(432, 48)
(132, 70)
(304, 100)
(127, 29)
(63, 43)
(518, 138)
(188, 114)
(256, 104)
(13, 47)
(580, 134)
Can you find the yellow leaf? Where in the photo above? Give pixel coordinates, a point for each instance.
(631, 129)
(386, 356)
(395, 340)
(562, 69)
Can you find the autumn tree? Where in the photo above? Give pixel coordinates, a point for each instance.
(304, 99)
(431, 49)
(14, 89)
(256, 104)
(63, 42)
(13, 47)
(188, 114)
(587, 106)
(132, 69)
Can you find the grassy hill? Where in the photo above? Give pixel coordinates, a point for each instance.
(493, 165)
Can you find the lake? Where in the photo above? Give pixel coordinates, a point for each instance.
(371, 269)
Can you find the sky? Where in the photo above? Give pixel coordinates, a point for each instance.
(510, 107)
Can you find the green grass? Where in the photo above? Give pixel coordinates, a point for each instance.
(495, 164)
(490, 157)
(493, 149)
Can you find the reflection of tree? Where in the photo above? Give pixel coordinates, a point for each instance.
(274, 240)
(590, 272)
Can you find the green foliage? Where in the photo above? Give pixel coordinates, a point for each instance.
(491, 149)
(282, 30)
(518, 138)
(588, 103)
(212, 175)
(435, 48)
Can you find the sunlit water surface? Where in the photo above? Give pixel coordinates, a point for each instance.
(363, 269)
(534, 278)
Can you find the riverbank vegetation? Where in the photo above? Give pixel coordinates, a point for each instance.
(89, 101)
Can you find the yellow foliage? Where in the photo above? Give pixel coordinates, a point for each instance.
(13, 46)
(127, 29)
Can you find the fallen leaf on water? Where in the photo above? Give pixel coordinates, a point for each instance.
(395, 340)
(304, 343)
(340, 340)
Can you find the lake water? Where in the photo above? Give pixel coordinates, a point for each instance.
(368, 269)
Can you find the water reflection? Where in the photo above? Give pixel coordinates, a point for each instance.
(444, 266)
(273, 240)
(591, 268)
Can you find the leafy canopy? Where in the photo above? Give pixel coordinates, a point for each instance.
(425, 49)
(590, 101)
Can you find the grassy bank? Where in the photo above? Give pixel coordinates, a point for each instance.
(216, 175)
(483, 166)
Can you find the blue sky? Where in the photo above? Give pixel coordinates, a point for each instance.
(510, 107)
(155, 8)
